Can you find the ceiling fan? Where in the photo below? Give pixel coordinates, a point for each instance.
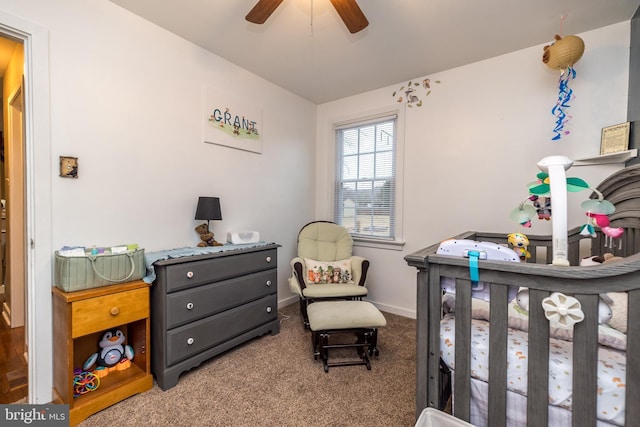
(348, 10)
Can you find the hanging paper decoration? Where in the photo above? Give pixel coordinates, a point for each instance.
(559, 111)
(562, 55)
(411, 95)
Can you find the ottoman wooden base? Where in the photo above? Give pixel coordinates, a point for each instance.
(329, 318)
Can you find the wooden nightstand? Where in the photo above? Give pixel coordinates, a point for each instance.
(79, 320)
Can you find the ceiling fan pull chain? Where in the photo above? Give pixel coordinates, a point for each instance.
(311, 17)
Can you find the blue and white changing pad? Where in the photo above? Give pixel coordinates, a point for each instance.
(152, 257)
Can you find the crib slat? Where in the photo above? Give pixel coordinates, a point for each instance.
(498, 356)
(462, 381)
(585, 368)
(632, 389)
(538, 362)
(428, 376)
(422, 343)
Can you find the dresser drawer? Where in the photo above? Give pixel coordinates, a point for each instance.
(195, 273)
(188, 340)
(108, 311)
(196, 303)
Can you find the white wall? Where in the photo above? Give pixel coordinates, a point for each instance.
(472, 148)
(126, 99)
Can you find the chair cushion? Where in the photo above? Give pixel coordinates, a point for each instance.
(328, 272)
(333, 290)
(344, 315)
(324, 241)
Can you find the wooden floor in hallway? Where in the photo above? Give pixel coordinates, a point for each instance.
(13, 366)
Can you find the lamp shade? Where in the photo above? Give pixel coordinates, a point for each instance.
(208, 208)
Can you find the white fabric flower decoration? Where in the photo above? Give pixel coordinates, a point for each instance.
(562, 310)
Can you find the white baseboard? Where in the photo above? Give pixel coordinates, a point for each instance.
(288, 301)
(382, 307)
(394, 310)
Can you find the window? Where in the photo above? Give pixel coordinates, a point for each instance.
(365, 188)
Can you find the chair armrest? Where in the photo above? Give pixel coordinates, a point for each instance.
(359, 269)
(296, 281)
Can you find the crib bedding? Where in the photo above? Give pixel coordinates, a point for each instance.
(611, 368)
(516, 409)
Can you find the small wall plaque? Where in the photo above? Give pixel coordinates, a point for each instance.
(615, 139)
(68, 167)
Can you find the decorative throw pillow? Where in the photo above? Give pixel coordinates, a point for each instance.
(328, 272)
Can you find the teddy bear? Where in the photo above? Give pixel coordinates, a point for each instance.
(206, 236)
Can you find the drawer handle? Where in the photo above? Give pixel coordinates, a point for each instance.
(190, 341)
(268, 282)
(268, 259)
(268, 309)
(114, 311)
(189, 306)
(189, 274)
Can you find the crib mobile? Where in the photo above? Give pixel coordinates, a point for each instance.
(560, 309)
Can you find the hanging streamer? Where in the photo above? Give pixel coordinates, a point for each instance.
(565, 95)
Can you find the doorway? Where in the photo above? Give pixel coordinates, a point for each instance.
(14, 366)
(37, 256)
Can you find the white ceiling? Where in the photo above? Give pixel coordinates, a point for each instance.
(304, 46)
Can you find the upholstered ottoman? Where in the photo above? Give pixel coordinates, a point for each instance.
(328, 318)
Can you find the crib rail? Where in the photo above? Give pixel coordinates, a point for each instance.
(584, 283)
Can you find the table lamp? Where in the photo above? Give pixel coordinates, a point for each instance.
(208, 209)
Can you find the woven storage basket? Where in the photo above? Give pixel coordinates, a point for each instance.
(75, 273)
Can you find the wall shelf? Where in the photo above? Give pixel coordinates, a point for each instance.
(604, 159)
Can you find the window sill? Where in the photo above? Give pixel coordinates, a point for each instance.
(394, 245)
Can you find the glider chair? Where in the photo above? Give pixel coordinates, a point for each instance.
(325, 268)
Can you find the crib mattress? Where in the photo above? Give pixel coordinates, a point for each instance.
(611, 367)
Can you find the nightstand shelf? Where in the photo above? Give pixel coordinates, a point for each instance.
(80, 319)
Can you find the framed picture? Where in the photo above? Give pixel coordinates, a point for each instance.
(615, 138)
(232, 121)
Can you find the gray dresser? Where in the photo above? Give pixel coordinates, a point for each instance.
(204, 305)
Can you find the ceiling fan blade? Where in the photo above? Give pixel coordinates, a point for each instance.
(351, 14)
(262, 10)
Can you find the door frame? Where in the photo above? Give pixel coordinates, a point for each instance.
(38, 219)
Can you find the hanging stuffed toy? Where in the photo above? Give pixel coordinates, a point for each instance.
(598, 212)
(562, 55)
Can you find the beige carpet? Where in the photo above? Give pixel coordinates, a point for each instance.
(274, 381)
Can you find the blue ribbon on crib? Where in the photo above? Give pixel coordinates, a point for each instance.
(473, 266)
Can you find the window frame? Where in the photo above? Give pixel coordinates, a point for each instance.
(397, 242)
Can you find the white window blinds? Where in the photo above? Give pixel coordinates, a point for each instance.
(364, 199)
